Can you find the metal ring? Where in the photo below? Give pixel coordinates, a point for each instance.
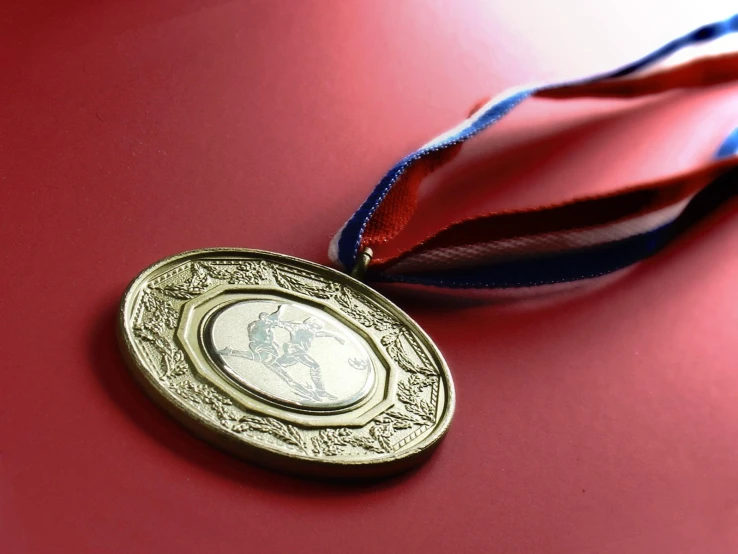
(362, 263)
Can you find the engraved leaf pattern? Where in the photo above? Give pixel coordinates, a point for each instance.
(305, 283)
(173, 361)
(286, 433)
(393, 342)
(160, 315)
(425, 367)
(198, 283)
(409, 392)
(250, 273)
(333, 442)
(350, 302)
(203, 394)
(217, 272)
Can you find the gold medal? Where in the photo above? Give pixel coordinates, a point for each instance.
(286, 363)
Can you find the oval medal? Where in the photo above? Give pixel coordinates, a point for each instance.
(286, 363)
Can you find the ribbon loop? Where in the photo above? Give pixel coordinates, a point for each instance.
(576, 240)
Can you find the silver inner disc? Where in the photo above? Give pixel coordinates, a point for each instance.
(291, 354)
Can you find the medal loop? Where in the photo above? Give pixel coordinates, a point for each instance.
(365, 258)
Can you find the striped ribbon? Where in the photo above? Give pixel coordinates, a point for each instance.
(582, 239)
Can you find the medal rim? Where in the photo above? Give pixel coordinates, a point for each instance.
(264, 454)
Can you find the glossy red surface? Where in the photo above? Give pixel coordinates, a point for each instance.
(601, 421)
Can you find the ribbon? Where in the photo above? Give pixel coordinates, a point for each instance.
(581, 239)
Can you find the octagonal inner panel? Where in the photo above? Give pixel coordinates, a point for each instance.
(290, 353)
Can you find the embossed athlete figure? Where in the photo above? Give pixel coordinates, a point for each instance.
(263, 349)
(261, 337)
(296, 349)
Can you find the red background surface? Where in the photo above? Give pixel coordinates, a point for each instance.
(603, 421)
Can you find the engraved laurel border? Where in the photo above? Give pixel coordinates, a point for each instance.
(156, 316)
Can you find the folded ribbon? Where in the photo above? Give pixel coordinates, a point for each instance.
(580, 239)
